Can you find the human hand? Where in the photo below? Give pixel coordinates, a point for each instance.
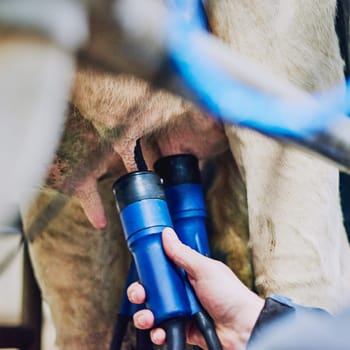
(232, 306)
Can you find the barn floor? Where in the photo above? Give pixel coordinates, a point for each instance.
(11, 289)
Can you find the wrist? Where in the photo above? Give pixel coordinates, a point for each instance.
(237, 334)
(249, 317)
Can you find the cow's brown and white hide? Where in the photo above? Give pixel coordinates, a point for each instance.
(298, 242)
(279, 201)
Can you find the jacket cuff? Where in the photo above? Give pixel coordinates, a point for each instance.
(275, 307)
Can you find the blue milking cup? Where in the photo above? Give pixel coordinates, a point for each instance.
(183, 191)
(184, 194)
(144, 214)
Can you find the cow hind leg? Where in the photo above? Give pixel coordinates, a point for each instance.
(80, 270)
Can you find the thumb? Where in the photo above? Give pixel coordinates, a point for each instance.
(183, 256)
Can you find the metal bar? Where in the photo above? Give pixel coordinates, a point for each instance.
(31, 302)
(16, 337)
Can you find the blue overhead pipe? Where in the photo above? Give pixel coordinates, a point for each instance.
(229, 99)
(310, 125)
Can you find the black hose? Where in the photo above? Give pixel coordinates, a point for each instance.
(175, 334)
(206, 327)
(143, 340)
(119, 331)
(138, 156)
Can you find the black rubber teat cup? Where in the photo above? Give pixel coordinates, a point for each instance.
(137, 186)
(184, 194)
(178, 169)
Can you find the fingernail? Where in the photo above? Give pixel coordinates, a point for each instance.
(132, 296)
(155, 338)
(141, 320)
(170, 233)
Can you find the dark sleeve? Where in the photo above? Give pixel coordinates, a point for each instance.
(277, 307)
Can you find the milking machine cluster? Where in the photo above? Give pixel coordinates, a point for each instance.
(147, 203)
(186, 60)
